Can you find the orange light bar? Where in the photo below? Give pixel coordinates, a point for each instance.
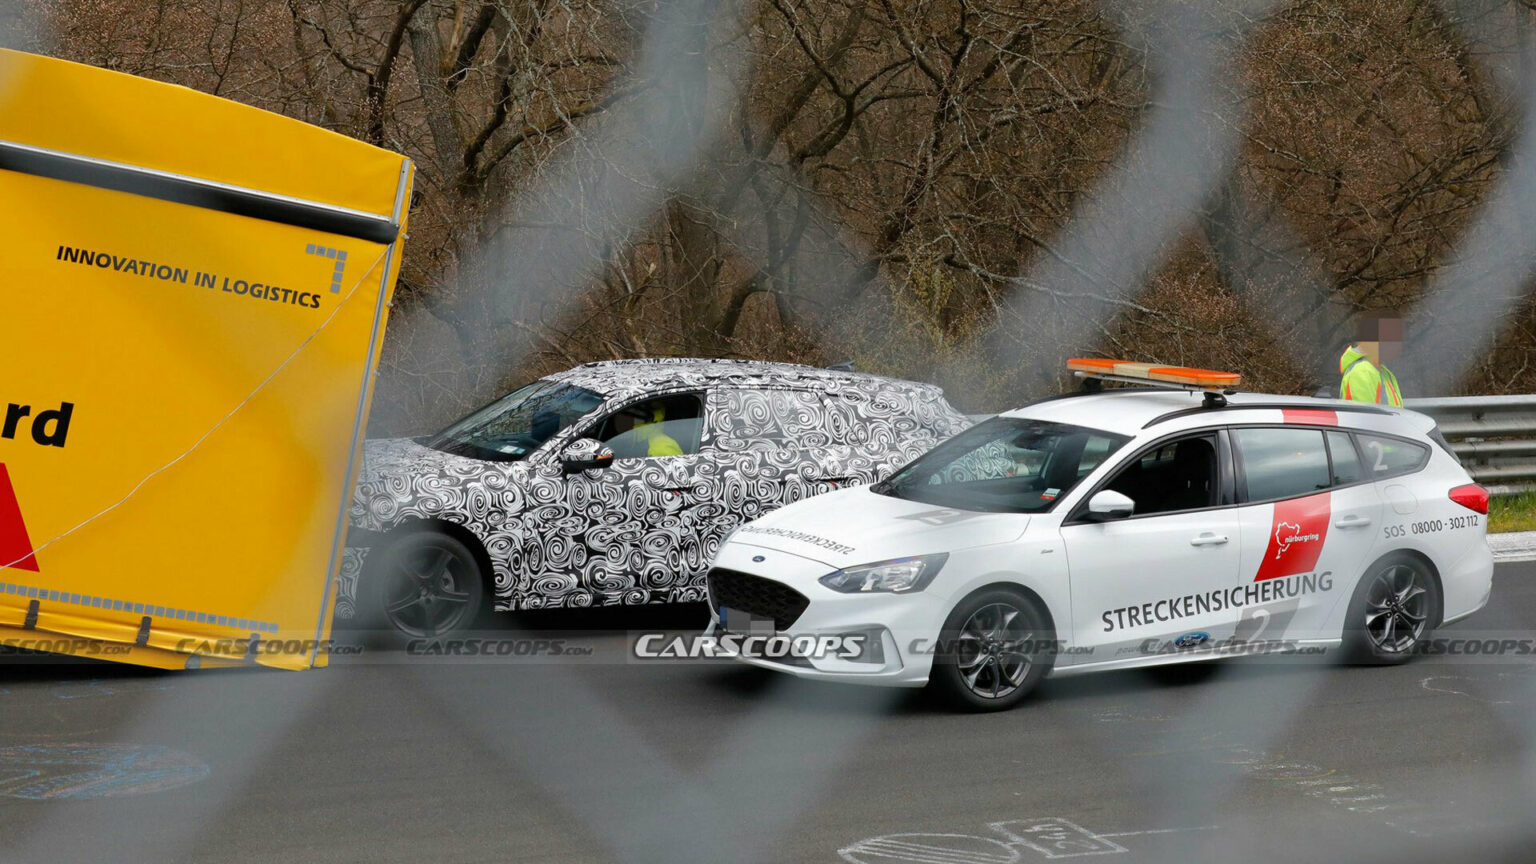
(1189, 377)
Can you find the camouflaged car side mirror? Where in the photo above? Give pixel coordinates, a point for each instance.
(1107, 504)
(585, 454)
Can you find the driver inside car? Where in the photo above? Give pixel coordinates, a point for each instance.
(639, 432)
(657, 442)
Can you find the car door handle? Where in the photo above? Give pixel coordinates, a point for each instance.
(1208, 539)
(1353, 522)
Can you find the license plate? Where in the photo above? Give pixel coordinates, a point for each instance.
(745, 623)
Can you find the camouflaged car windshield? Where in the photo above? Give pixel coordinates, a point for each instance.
(515, 425)
(1004, 465)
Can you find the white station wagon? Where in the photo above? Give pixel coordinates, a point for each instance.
(1122, 528)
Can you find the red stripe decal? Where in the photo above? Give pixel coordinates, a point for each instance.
(1296, 536)
(14, 543)
(1315, 416)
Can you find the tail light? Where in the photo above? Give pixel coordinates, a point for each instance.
(1471, 496)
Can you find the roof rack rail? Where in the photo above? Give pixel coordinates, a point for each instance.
(1355, 407)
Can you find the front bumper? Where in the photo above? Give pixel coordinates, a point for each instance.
(900, 623)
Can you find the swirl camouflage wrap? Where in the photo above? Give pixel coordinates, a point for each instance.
(739, 439)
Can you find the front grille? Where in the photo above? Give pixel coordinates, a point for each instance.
(757, 596)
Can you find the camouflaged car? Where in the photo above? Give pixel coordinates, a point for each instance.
(612, 483)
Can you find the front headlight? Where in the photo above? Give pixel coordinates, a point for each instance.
(899, 575)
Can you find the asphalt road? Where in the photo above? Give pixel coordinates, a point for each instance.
(386, 758)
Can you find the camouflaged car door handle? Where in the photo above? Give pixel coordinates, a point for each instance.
(1208, 539)
(1352, 522)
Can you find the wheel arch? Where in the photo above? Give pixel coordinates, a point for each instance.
(1029, 593)
(1429, 564)
(455, 530)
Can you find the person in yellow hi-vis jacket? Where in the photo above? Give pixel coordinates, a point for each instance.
(1362, 365)
(658, 443)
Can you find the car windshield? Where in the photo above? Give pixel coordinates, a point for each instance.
(516, 424)
(1004, 465)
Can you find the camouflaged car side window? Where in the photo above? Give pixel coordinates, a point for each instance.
(665, 426)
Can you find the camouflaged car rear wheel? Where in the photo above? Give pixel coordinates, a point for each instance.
(993, 650)
(424, 585)
(1394, 609)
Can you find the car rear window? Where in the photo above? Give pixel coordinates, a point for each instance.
(1391, 457)
(1282, 463)
(1346, 460)
(1287, 462)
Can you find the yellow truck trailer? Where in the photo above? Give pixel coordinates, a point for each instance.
(193, 293)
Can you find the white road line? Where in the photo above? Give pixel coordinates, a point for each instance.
(878, 851)
(1159, 831)
(933, 851)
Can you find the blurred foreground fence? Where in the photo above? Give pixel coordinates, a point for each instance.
(1495, 436)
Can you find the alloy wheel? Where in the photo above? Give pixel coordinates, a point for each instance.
(425, 592)
(990, 651)
(1396, 609)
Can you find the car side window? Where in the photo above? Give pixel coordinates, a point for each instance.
(773, 420)
(1391, 457)
(664, 426)
(1346, 461)
(1282, 463)
(1176, 475)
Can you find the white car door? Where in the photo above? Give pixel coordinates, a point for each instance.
(1159, 579)
(1311, 518)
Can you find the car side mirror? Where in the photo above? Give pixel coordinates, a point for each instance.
(585, 454)
(1107, 505)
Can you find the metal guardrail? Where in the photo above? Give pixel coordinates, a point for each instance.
(1495, 437)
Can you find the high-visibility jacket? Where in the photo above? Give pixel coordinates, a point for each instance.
(1363, 381)
(657, 442)
(1390, 388)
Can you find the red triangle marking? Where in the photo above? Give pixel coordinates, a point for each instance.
(14, 543)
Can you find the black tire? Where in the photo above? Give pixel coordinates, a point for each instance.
(423, 585)
(975, 668)
(1396, 606)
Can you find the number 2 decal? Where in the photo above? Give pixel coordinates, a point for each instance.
(1375, 447)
